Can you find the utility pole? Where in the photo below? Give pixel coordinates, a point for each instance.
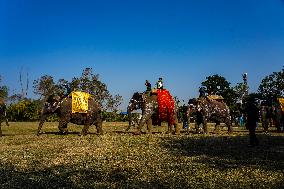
(245, 87)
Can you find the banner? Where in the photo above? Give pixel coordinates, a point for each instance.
(80, 102)
(166, 105)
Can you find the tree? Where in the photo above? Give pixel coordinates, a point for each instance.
(88, 82)
(25, 110)
(44, 86)
(3, 90)
(240, 91)
(218, 85)
(272, 86)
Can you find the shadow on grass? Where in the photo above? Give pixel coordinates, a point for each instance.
(71, 177)
(69, 133)
(225, 152)
(133, 132)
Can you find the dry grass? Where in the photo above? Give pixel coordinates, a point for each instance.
(122, 160)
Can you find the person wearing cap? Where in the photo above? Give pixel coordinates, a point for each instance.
(160, 84)
(148, 86)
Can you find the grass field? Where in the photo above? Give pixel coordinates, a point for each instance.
(119, 159)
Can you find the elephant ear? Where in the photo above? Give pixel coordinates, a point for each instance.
(144, 97)
(52, 103)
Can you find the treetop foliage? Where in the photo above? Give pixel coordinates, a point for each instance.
(3, 90)
(87, 82)
(272, 86)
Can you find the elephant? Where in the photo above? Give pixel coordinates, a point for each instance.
(148, 103)
(62, 106)
(3, 116)
(137, 103)
(279, 116)
(206, 109)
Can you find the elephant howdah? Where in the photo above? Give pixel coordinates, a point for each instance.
(281, 102)
(166, 106)
(80, 102)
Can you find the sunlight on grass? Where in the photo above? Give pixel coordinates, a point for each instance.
(119, 159)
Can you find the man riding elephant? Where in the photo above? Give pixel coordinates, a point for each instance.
(64, 108)
(209, 109)
(156, 107)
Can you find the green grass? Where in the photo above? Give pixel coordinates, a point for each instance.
(119, 159)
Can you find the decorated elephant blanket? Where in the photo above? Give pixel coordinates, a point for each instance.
(281, 102)
(80, 102)
(166, 106)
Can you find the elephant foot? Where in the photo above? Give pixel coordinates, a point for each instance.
(177, 133)
(137, 132)
(63, 132)
(149, 132)
(230, 132)
(216, 131)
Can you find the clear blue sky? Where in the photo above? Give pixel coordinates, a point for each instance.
(128, 41)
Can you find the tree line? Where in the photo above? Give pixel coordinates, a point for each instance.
(21, 108)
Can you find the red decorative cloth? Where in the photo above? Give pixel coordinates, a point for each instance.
(166, 105)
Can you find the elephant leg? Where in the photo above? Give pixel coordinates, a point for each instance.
(149, 126)
(131, 123)
(85, 130)
(217, 127)
(7, 123)
(177, 128)
(99, 127)
(128, 128)
(63, 127)
(197, 127)
(170, 129)
(143, 120)
(229, 125)
(42, 120)
(205, 127)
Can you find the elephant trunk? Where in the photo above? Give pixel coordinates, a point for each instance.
(43, 117)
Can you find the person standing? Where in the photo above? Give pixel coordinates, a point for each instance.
(202, 92)
(160, 84)
(148, 86)
(252, 113)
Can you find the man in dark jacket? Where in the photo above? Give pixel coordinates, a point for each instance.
(252, 112)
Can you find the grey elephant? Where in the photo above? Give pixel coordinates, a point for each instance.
(209, 110)
(148, 103)
(3, 116)
(63, 108)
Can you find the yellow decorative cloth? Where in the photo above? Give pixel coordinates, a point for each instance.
(281, 102)
(80, 102)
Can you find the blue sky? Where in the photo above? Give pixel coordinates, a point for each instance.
(129, 41)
